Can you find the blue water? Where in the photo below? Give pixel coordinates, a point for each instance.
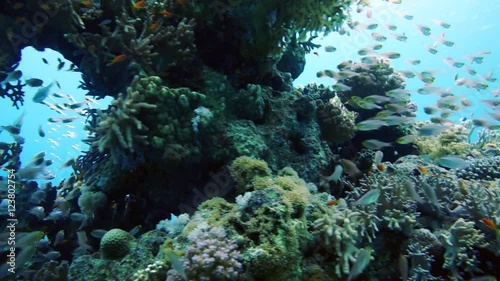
(474, 28)
(62, 141)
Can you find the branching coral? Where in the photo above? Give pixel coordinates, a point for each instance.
(175, 44)
(461, 244)
(10, 156)
(341, 232)
(14, 92)
(120, 130)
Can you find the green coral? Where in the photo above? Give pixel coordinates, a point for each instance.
(268, 221)
(116, 244)
(245, 169)
(245, 139)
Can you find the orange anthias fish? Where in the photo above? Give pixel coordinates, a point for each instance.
(332, 202)
(423, 170)
(139, 4)
(491, 224)
(116, 59)
(87, 3)
(381, 167)
(153, 26)
(166, 13)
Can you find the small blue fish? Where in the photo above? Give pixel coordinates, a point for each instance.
(176, 263)
(375, 144)
(369, 198)
(361, 263)
(43, 93)
(370, 124)
(337, 174)
(377, 159)
(452, 162)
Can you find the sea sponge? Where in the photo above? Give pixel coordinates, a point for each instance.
(116, 244)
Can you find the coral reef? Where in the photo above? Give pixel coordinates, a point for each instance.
(141, 254)
(205, 120)
(153, 272)
(119, 130)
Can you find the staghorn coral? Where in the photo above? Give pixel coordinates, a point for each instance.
(488, 142)
(119, 129)
(10, 157)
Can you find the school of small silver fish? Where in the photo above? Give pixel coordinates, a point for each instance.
(51, 96)
(449, 106)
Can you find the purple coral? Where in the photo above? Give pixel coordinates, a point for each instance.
(211, 256)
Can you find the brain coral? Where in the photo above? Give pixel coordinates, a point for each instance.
(115, 244)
